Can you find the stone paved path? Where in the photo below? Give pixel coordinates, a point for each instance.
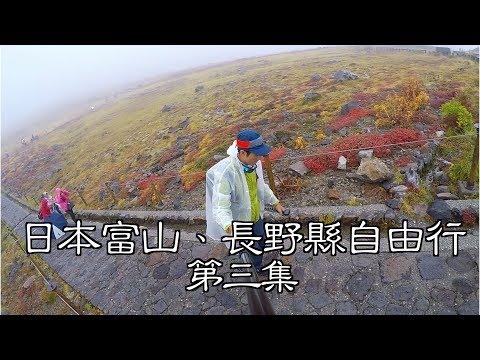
(385, 283)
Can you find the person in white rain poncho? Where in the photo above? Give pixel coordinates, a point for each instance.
(236, 191)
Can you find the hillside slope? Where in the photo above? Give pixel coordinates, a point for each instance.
(152, 144)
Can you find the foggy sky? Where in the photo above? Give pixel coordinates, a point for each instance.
(40, 78)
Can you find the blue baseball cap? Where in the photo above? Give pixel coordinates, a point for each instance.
(252, 141)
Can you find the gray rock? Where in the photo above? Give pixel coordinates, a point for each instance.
(446, 196)
(420, 126)
(443, 296)
(359, 285)
(226, 299)
(299, 168)
(196, 300)
(311, 96)
(403, 293)
(378, 299)
(462, 286)
(365, 154)
(445, 311)
(431, 267)
(316, 77)
(412, 177)
(395, 268)
(469, 308)
(216, 310)
(462, 263)
(302, 257)
(398, 189)
(370, 310)
(343, 75)
(200, 251)
(319, 300)
(299, 305)
(442, 189)
(191, 311)
(390, 215)
(161, 272)
(393, 309)
(388, 184)
(178, 268)
(393, 203)
(211, 301)
(29, 282)
(364, 260)
(299, 274)
(422, 304)
(212, 291)
(312, 286)
(349, 107)
(346, 308)
(172, 292)
(349, 217)
(159, 307)
(167, 107)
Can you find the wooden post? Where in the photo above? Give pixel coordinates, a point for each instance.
(81, 197)
(271, 180)
(111, 193)
(474, 168)
(155, 191)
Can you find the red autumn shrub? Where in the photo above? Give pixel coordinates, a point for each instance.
(145, 183)
(439, 97)
(348, 120)
(363, 99)
(167, 156)
(404, 161)
(190, 182)
(402, 135)
(275, 154)
(315, 164)
(349, 147)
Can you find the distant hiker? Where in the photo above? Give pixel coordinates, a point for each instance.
(47, 206)
(62, 199)
(236, 191)
(49, 212)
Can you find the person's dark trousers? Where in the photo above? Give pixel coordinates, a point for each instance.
(258, 230)
(72, 215)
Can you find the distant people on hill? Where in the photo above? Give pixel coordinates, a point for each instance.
(50, 212)
(47, 206)
(66, 205)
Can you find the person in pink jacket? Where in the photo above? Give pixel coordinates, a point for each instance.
(62, 199)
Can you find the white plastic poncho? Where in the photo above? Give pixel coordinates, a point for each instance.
(227, 195)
